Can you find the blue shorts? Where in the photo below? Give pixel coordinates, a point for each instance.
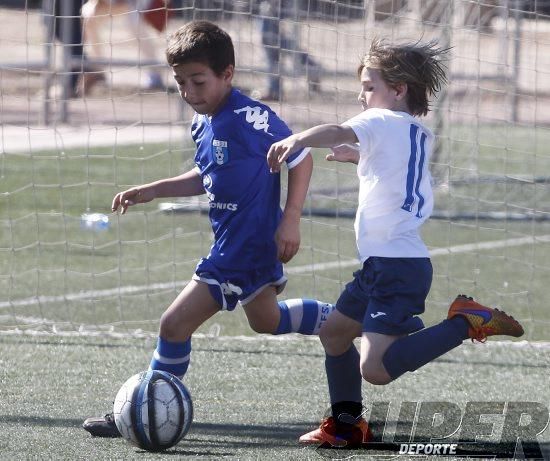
(228, 287)
(387, 294)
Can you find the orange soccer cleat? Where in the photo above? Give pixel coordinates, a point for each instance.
(339, 436)
(484, 321)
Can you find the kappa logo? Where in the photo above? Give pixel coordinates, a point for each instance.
(230, 289)
(258, 118)
(378, 314)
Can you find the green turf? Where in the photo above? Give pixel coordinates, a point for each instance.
(252, 398)
(45, 253)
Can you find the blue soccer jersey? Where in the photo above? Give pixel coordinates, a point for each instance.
(244, 197)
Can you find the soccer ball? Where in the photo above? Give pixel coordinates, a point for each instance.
(153, 410)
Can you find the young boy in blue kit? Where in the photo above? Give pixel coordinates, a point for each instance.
(252, 235)
(382, 303)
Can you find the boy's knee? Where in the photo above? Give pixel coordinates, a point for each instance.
(333, 344)
(167, 329)
(376, 374)
(262, 325)
(262, 328)
(171, 329)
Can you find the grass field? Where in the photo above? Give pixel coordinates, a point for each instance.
(252, 398)
(53, 272)
(90, 302)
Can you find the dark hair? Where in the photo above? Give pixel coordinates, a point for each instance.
(419, 65)
(201, 41)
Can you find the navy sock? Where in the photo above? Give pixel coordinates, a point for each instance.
(353, 409)
(414, 351)
(172, 357)
(344, 383)
(303, 316)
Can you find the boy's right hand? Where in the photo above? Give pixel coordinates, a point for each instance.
(344, 153)
(280, 151)
(130, 197)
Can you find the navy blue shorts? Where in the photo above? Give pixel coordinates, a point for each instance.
(228, 287)
(387, 294)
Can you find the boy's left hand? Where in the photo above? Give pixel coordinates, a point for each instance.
(287, 239)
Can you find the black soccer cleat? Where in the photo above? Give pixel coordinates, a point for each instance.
(102, 427)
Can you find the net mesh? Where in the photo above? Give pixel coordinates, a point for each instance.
(88, 108)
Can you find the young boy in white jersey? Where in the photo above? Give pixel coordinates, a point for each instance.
(252, 235)
(382, 303)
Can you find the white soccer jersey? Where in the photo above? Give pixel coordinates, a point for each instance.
(395, 191)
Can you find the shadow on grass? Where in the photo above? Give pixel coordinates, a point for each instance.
(248, 434)
(208, 434)
(204, 436)
(215, 439)
(40, 421)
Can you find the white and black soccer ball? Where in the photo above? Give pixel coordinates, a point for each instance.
(153, 410)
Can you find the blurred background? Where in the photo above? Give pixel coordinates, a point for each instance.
(499, 59)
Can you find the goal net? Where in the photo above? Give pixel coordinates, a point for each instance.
(89, 108)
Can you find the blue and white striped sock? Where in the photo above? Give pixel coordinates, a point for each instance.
(171, 356)
(303, 316)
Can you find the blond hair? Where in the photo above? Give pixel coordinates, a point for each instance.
(419, 65)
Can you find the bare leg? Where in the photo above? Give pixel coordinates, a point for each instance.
(263, 311)
(373, 348)
(192, 307)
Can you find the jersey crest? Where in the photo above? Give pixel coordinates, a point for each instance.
(220, 151)
(255, 116)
